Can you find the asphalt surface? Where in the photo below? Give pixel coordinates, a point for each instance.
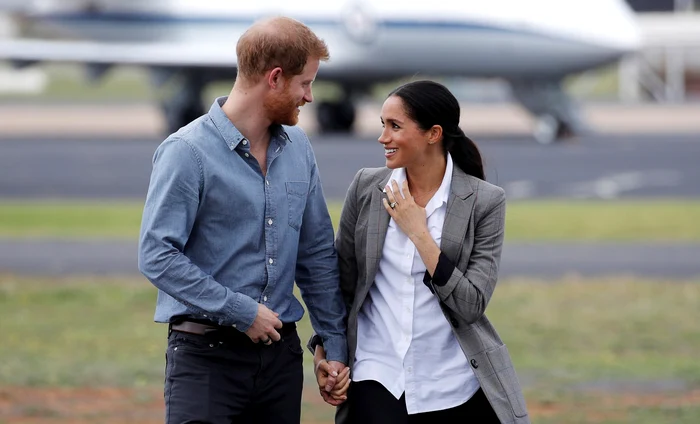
(545, 260)
(592, 167)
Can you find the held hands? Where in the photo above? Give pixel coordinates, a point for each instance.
(408, 215)
(264, 328)
(333, 378)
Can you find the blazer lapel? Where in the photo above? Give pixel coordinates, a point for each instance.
(460, 205)
(376, 229)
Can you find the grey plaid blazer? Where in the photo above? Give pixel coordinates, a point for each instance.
(472, 238)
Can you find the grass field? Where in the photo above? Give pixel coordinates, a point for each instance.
(587, 351)
(659, 220)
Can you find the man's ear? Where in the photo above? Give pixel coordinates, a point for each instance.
(274, 77)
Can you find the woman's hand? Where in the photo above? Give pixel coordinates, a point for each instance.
(410, 217)
(333, 378)
(413, 221)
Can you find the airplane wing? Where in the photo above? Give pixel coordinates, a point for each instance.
(216, 54)
(148, 54)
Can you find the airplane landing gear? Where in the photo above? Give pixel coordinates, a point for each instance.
(549, 129)
(336, 116)
(184, 106)
(556, 116)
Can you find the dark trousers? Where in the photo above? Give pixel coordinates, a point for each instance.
(371, 403)
(223, 377)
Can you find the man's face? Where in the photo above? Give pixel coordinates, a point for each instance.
(283, 104)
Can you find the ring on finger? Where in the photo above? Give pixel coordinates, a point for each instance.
(392, 205)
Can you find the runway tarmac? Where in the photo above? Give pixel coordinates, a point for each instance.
(543, 260)
(607, 167)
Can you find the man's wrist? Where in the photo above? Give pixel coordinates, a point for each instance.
(336, 349)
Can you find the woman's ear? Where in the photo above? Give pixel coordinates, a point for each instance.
(434, 134)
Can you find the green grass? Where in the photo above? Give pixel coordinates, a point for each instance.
(614, 328)
(643, 220)
(563, 335)
(70, 219)
(100, 331)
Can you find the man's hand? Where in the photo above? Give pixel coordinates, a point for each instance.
(264, 327)
(333, 379)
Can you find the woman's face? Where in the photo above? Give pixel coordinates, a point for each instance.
(405, 143)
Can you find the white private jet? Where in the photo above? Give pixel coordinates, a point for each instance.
(532, 44)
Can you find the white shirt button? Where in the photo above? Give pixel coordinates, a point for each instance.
(245, 142)
(234, 325)
(246, 155)
(267, 182)
(271, 261)
(264, 298)
(269, 221)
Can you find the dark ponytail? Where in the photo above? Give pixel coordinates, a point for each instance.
(464, 152)
(429, 103)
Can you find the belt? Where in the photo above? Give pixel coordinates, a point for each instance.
(204, 329)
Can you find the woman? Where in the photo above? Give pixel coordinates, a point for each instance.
(419, 244)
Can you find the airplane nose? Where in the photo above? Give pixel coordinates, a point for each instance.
(626, 37)
(621, 30)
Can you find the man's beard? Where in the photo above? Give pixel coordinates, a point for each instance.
(282, 109)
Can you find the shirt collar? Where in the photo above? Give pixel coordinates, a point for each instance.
(442, 194)
(229, 132)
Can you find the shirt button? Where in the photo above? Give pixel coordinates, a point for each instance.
(410, 370)
(205, 315)
(245, 142)
(247, 155)
(269, 221)
(271, 261)
(265, 299)
(234, 325)
(267, 182)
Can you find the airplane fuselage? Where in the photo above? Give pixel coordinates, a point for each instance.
(385, 39)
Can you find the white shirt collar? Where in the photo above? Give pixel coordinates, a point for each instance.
(442, 194)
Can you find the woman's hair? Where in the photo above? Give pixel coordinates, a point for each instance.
(429, 103)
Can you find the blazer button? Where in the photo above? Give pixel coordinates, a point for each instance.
(474, 364)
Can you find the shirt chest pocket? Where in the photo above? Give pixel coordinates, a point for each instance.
(297, 191)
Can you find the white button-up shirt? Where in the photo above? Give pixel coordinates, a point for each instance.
(404, 341)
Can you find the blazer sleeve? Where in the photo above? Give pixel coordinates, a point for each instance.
(345, 247)
(467, 293)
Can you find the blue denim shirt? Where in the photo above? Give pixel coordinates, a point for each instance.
(217, 237)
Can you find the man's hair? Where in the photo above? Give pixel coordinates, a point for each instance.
(278, 42)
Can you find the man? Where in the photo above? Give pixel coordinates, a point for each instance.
(234, 215)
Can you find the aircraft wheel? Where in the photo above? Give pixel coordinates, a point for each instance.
(546, 129)
(179, 115)
(335, 116)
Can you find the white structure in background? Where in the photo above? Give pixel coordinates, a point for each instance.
(19, 81)
(671, 52)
